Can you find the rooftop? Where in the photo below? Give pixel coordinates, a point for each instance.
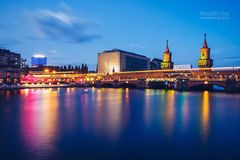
(4, 51)
(122, 51)
(39, 56)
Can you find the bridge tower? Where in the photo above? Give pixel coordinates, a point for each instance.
(167, 59)
(205, 61)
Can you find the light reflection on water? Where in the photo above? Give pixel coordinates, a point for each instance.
(170, 112)
(51, 122)
(39, 121)
(108, 115)
(185, 110)
(205, 115)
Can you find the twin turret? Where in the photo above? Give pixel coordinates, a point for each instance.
(167, 59)
(204, 61)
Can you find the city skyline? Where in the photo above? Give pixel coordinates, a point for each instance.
(72, 32)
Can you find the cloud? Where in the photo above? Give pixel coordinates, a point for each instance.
(10, 34)
(7, 42)
(62, 25)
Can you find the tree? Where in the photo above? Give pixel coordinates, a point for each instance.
(82, 68)
(65, 68)
(25, 69)
(86, 68)
(97, 68)
(113, 70)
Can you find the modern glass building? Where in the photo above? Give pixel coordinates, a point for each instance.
(39, 60)
(117, 60)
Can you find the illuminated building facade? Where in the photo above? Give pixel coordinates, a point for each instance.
(39, 60)
(9, 67)
(167, 59)
(205, 61)
(116, 60)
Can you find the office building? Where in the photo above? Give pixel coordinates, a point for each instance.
(117, 60)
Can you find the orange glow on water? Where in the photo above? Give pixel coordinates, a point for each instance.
(205, 114)
(147, 113)
(109, 113)
(170, 111)
(185, 110)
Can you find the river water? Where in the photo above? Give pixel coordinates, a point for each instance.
(92, 123)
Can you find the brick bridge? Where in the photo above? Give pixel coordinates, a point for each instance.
(225, 77)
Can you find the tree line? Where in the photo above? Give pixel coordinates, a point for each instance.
(81, 69)
(25, 69)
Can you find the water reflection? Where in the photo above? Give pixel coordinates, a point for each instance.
(185, 110)
(109, 113)
(205, 115)
(148, 107)
(78, 121)
(126, 105)
(170, 112)
(39, 121)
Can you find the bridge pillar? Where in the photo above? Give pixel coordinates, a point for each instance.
(231, 85)
(182, 84)
(116, 84)
(141, 83)
(97, 83)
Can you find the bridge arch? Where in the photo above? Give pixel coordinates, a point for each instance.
(156, 84)
(218, 87)
(107, 85)
(207, 86)
(200, 87)
(127, 85)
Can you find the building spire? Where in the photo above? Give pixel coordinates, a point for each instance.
(205, 41)
(167, 49)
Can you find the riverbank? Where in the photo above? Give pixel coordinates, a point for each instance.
(33, 86)
(9, 88)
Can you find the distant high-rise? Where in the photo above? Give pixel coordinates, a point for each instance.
(167, 59)
(39, 60)
(205, 61)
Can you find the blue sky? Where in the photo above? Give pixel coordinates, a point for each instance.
(74, 31)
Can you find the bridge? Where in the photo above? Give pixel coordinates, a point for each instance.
(226, 78)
